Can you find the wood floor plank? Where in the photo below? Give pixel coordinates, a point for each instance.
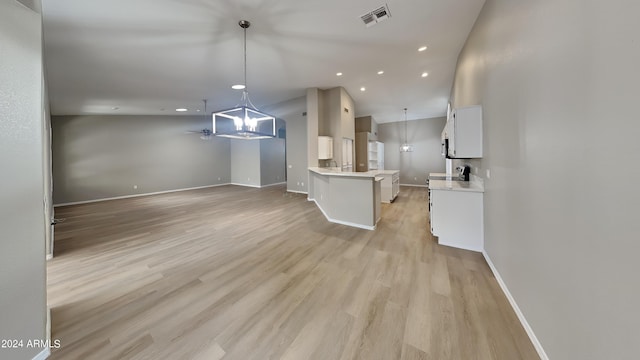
(241, 273)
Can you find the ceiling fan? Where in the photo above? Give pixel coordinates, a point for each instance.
(205, 134)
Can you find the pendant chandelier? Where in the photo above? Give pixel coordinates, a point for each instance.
(244, 121)
(405, 147)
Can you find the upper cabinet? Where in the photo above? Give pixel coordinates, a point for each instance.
(464, 131)
(325, 147)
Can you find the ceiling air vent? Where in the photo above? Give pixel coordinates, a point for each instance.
(375, 16)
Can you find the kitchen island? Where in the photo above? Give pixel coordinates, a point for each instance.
(348, 198)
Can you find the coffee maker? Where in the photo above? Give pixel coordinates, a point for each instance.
(463, 172)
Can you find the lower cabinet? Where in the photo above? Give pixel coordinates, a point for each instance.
(390, 186)
(456, 218)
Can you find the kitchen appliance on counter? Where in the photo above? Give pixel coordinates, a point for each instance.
(464, 172)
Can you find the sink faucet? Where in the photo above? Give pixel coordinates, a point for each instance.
(333, 161)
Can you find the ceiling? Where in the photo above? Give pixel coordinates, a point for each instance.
(149, 57)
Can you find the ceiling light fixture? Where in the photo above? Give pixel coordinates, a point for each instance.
(238, 87)
(181, 109)
(339, 74)
(405, 147)
(244, 121)
(380, 72)
(422, 48)
(424, 74)
(363, 88)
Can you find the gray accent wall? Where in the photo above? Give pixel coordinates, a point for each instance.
(426, 157)
(557, 81)
(22, 219)
(97, 157)
(272, 161)
(245, 162)
(291, 112)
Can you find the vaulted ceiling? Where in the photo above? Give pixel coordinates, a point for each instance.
(149, 57)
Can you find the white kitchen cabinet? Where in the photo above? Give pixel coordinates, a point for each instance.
(325, 147)
(376, 155)
(390, 186)
(457, 218)
(464, 131)
(380, 155)
(373, 155)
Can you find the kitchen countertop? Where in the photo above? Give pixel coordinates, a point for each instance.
(365, 174)
(455, 185)
(443, 176)
(384, 172)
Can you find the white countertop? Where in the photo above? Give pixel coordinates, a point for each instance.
(442, 176)
(334, 172)
(337, 172)
(385, 172)
(455, 185)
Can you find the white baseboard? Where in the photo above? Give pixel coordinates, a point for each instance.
(414, 185)
(138, 195)
(246, 185)
(514, 305)
(43, 354)
(360, 226)
(276, 184)
(298, 192)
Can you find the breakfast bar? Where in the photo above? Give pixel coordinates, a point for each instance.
(348, 198)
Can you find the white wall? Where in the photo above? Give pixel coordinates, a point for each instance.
(22, 223)
(558, 82)
(426, 156)
(97, 157)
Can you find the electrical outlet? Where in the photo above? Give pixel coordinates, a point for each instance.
(135, 187)
(488, 174)
(301, 184)
(415, 178)
(219, 179)
(290, 166)
(298, 183)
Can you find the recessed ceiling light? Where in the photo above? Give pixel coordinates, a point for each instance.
(424, 74)
(198, 110)
(380, 72)
(363, 88)
(181, 109)
(238, 87)
(339, 74)
(422, 48)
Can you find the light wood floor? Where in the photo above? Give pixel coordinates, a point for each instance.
(241, 273)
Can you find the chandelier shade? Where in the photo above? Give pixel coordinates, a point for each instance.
(244, 121)
(405, 147)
